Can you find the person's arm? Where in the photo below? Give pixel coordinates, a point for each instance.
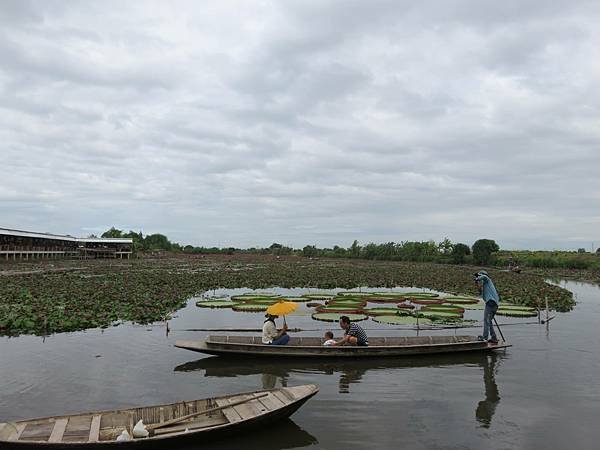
(282, 331)
(341, 341)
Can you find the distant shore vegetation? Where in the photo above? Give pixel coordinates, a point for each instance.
(484, 252)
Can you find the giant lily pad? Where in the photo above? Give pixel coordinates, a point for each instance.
(215, 304)
(250, 307)
(382, 311)
(515, 313)
(441, 314)
(401, 320)
(335, 317)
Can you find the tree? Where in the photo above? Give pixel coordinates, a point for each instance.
(309, 251)
(157, 242)
(354, 250)
(445, 247)
(483, 249)
(113, 233)
(460, 252)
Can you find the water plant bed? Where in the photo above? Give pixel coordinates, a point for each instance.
(335, 317)
(216, 304)
(48, 296)
(402, 320)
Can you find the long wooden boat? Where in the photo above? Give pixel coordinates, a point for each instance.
(210, 419)
(313, 346)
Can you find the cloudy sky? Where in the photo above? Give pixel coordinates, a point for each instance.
(303, 122)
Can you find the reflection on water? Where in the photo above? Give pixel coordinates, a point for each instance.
(289, 435)
(350, 372)
(487, 407)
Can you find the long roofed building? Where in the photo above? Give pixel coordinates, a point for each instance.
(19, 244)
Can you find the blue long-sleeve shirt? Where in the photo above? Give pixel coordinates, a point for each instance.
(488, 290)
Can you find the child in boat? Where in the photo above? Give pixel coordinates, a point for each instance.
(328, 339)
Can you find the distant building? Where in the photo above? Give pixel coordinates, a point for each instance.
(23, 245)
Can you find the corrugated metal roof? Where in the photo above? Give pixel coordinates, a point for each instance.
(59, 237)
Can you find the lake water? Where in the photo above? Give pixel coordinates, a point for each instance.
(544, 392)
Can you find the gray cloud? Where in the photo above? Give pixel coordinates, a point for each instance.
(303, 122)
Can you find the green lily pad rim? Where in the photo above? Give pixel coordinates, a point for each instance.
(335, 317)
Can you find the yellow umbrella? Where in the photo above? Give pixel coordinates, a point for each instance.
(281, 308)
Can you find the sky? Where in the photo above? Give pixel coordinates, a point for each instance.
(303, 122)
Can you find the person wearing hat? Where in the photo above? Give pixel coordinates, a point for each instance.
(271, 335)
(492, 301)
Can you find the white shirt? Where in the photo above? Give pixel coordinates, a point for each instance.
(329, 342)
(269, 332)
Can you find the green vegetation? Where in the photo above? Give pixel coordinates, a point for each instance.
(74, 295)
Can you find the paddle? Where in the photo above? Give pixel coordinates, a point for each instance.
(152, 428)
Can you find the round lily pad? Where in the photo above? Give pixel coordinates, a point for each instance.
(335, 317)
(249, 298)
(515, 313)
(427, 301)
(479, 305)
(318, 296)
(261, 301)
(215, 304)
(401, 320)
(386, 299)
(461, 299)
(339, 309)
(506, 307)
(354, 294)
(314, 304)
(420, 294)
(442, 308)
(250, 307)
(441, 314)
(383, 311)
(296, 299)
(339, 303)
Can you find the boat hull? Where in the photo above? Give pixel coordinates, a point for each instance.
(296, 398)
(382, 347)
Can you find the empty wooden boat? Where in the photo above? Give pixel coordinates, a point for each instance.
(183, 422)
(313, 346)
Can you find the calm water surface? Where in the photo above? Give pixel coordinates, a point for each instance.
(543, 393)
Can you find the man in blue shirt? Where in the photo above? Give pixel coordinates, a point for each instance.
(492, 300)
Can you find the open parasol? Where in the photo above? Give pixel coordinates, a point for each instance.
(281, 308)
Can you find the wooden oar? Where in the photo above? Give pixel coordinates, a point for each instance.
(153, 427)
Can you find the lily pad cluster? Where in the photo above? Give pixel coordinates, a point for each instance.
(53, 296)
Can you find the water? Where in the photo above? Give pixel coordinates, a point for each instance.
(544, 392)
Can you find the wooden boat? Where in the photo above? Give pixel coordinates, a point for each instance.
(181, 423)
(313, 346)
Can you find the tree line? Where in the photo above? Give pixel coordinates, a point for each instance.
(481, 252)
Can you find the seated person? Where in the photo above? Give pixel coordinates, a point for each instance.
(271, 335)
(329, 339)
(353, 334)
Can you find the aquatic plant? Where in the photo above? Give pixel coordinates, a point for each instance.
(335, 317)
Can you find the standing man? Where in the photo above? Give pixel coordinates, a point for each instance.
(353, 333)
(492, 300)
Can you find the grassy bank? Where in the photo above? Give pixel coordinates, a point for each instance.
(72, 295)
